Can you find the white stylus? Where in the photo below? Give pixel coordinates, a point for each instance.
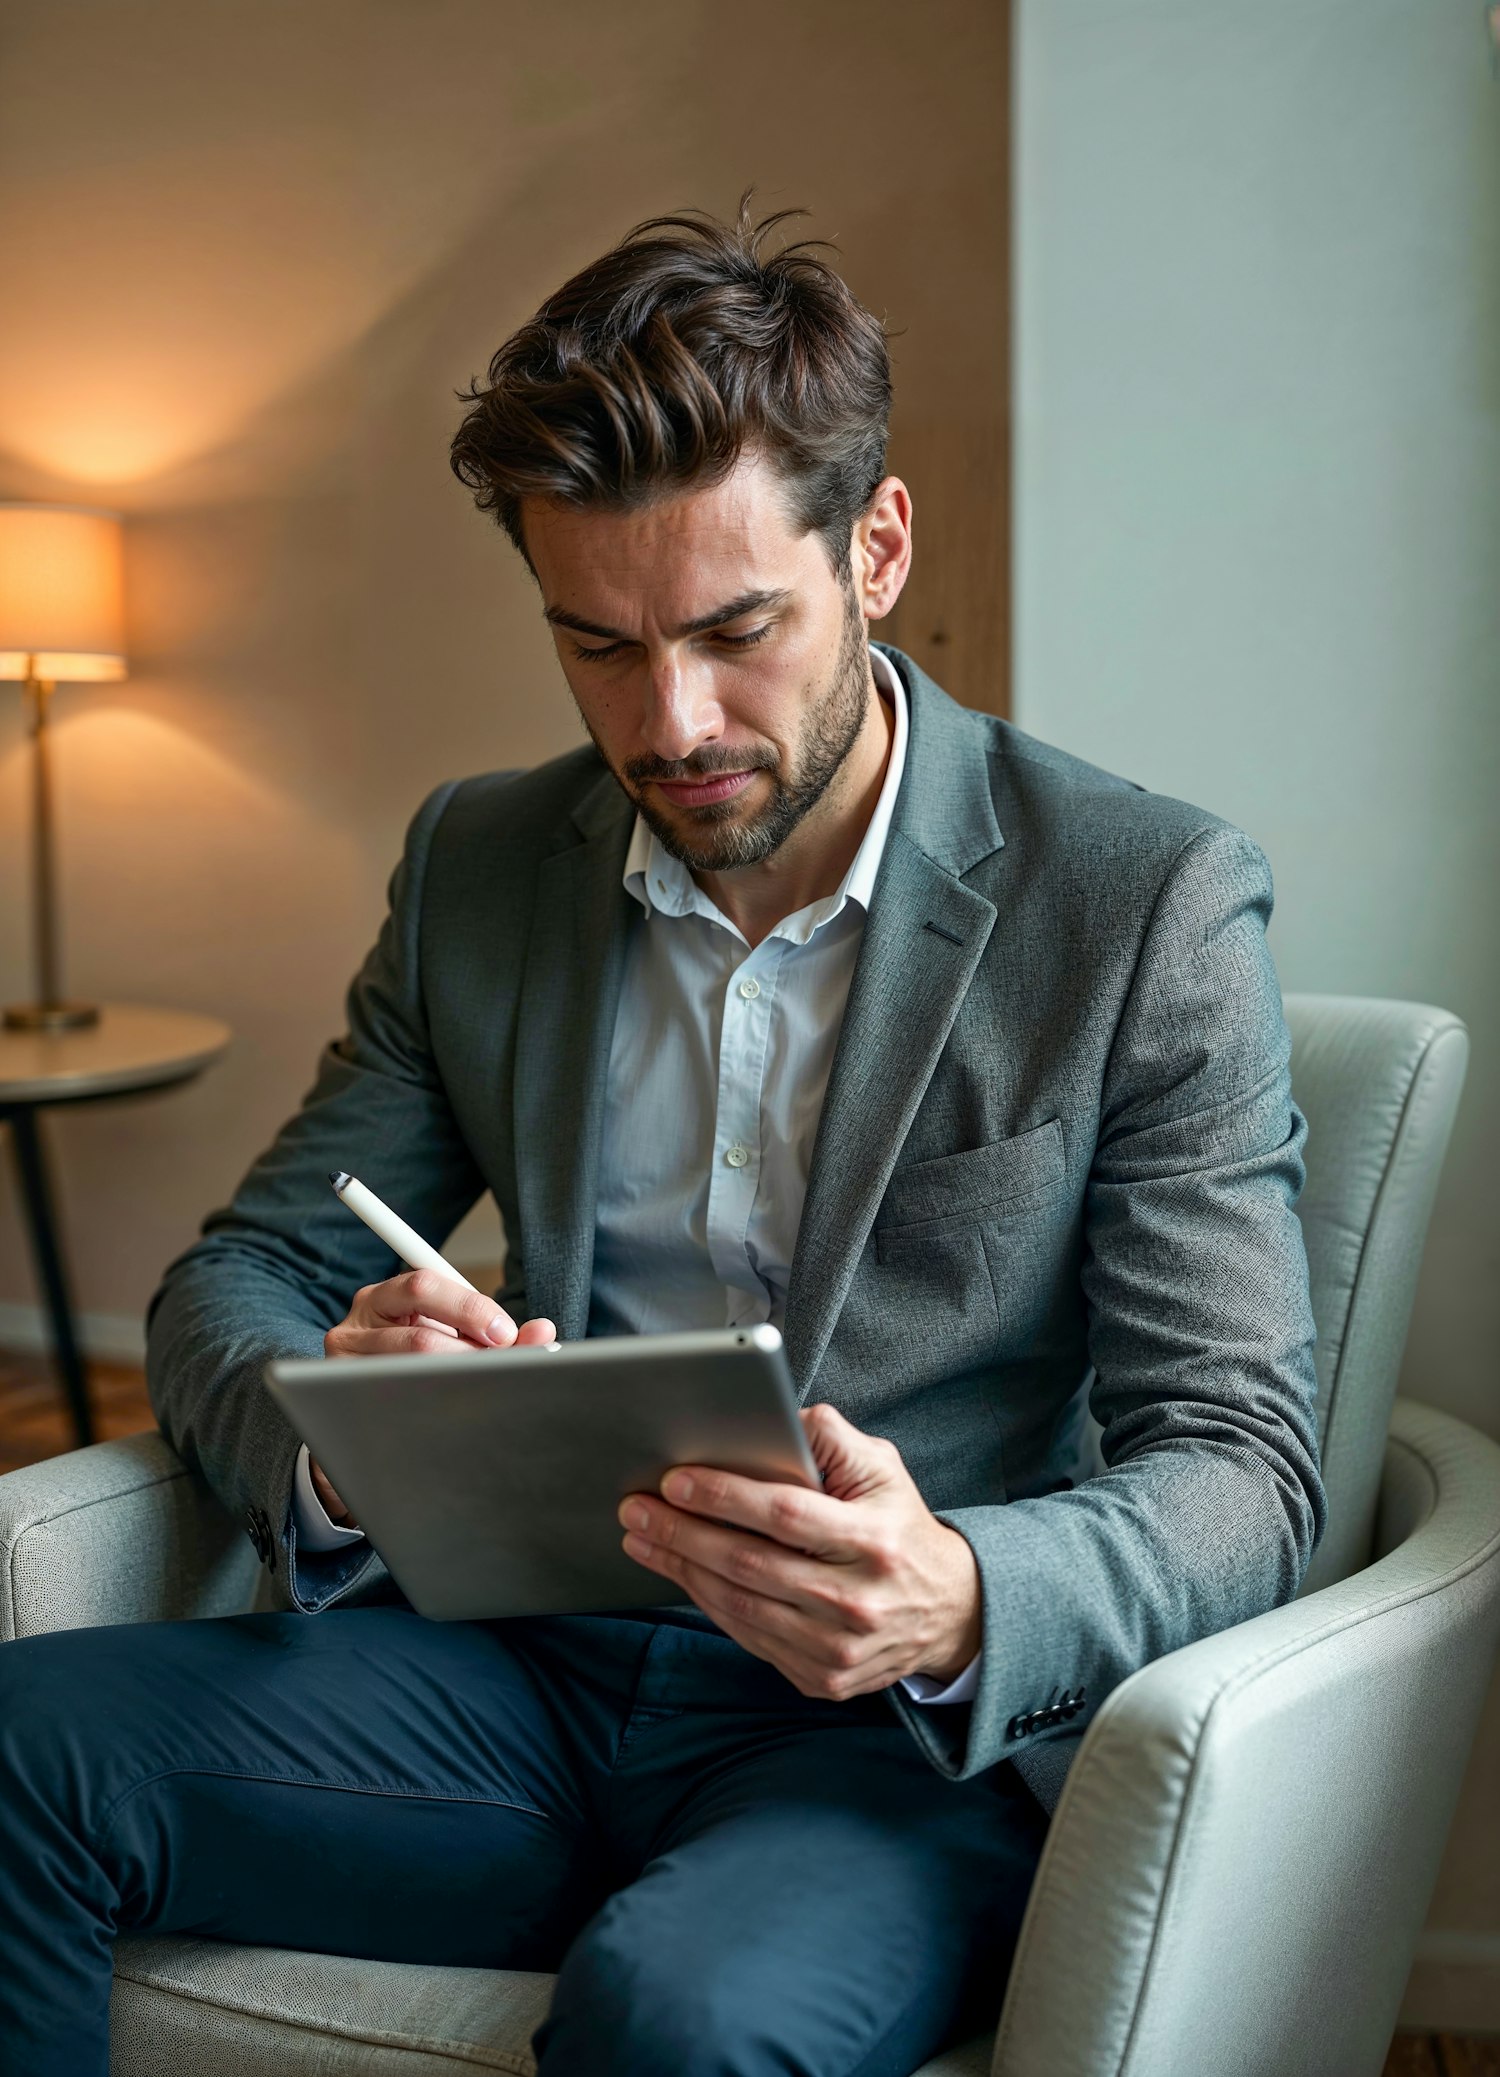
(407, 1242)
(415, 1252)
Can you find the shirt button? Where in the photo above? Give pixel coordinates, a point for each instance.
(736, 1155)
(750, 989)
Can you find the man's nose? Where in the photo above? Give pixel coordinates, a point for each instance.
(681, 711)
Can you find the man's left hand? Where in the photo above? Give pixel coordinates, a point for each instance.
(844, 1591)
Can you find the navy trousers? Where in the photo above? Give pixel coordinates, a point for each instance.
(728, 1877)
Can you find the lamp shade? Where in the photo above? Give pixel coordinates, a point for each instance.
(62, 604)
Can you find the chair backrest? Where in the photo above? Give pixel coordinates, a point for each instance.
(1378, 1083)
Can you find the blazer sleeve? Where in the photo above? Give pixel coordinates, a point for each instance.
(278, 1266)
(1200, 1336)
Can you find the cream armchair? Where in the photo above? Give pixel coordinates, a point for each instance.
(1235, 1877)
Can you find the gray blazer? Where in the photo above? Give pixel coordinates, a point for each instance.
(1056, 1169)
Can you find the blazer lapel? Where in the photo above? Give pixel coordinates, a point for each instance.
(569, 993)
(924, 937)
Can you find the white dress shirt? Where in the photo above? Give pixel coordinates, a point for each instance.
(718, 1065)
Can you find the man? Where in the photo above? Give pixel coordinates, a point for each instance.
(799, 994)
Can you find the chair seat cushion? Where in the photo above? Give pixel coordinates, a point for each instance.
(199, 2008)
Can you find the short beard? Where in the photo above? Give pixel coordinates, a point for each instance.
(720, 844)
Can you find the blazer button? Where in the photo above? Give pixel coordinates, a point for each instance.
(258, 1528)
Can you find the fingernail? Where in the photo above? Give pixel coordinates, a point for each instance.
(634, 1516)
(677, 1486)
(501, 1331)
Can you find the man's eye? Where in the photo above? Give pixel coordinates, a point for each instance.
(756, 634)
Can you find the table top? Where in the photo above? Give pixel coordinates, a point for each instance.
(131, 1047)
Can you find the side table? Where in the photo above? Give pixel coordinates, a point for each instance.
(130, 1050)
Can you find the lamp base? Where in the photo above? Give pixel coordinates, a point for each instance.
(50, 1016)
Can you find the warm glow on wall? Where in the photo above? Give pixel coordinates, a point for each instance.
(62, 606)
(205, 210)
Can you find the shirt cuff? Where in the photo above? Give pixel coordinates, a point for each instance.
(316, 1530)
(925, 1687)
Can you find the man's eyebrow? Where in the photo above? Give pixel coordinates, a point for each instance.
(747, 602)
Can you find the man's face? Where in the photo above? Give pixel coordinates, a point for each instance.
(721, 669)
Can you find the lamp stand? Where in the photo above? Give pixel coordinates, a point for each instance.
(49, 1012)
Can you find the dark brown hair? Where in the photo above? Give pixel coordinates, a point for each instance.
(654, 368)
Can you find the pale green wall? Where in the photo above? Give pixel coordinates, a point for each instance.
(1258, 519)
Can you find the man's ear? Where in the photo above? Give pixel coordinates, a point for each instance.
(881, 548)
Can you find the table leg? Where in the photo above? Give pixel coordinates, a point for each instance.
(37, 1197)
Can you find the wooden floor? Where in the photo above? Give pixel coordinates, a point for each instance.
(1442, 2055)
(33, 1415)
(34, 1424)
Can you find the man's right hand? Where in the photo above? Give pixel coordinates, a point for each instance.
(419, 1313)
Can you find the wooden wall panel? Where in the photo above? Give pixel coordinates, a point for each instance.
(953, 617)
(951, 424)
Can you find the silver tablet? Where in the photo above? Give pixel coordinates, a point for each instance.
(489, 1480)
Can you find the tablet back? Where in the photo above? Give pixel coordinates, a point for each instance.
(489, 1480)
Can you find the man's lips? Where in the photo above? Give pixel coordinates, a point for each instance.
(699, 793)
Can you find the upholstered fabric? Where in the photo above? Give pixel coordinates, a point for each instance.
(199, 2005)
(1378, 1083)
(119, 1533)
(1240, 1864)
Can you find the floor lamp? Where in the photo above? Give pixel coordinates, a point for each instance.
(61, 617)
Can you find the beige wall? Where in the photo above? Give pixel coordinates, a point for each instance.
(258, 248)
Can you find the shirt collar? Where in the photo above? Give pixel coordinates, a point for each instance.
(662, 884)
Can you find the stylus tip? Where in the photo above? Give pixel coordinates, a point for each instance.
(338, 1177)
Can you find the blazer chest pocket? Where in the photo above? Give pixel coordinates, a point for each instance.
(926, 1196)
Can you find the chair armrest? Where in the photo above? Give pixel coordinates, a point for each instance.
(119, 1533)
(1237, 1872)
